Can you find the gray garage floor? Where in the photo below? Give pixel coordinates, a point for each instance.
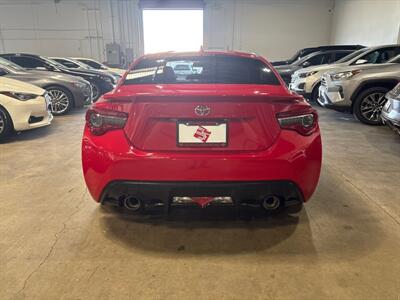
(56, 243)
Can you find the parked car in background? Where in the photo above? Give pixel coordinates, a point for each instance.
(101, 83)
(183, 69)
(70, 63)
(253, 141)
(391, 111)
(65, 91)
(306, 81)
(99, 66)
(359, 89)
(23, 106)
(306, 51)
(313, 59)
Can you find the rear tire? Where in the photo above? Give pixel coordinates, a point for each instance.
(5, 124)
(61, 100)
(368, 105)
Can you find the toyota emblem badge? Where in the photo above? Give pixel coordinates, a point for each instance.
(202, 110)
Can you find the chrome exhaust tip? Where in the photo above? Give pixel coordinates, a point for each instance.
(271, 202)
(132, 203)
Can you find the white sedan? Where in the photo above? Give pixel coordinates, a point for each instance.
(23, 106)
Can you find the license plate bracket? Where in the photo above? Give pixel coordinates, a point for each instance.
(202, 133)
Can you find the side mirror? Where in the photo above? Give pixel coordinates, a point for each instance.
(361, 61)
(306, 64)
(3, 72)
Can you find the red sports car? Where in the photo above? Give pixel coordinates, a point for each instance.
(227, 133)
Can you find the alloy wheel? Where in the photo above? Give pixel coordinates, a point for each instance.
(371, 106)
(2, 123)
(59, 101)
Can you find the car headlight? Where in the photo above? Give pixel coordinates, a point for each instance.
(345, 75)
(304, 75)
(20, 96)
(80, 85)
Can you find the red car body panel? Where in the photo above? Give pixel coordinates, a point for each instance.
(146, 148)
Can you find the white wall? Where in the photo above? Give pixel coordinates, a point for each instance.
(272, 28)
(368, 22)
(69, 27)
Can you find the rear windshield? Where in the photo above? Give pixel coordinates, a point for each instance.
(219, 69)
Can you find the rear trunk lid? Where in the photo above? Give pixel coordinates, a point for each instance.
(207, 117)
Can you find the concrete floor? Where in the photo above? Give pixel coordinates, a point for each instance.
(56, 243)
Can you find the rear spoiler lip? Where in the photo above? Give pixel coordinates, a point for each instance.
(234, 98)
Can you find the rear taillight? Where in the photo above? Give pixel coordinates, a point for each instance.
(303, 121)
(100, 121)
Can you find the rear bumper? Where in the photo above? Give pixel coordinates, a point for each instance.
(161, 193)
(293, 158)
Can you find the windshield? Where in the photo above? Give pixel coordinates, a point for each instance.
(71, 63)
(93, 64)
(351, 56)
(10, 65)
(305, 58)
(82, 65)
(53, 63)
(395, 60)
(295, 57)
(218, 69)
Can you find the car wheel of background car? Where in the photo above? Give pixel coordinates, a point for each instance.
(368, 105)
(61, 100)
(314, 94)
(5, 124)
(95, 92)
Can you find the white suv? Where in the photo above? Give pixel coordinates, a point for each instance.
(306, 81)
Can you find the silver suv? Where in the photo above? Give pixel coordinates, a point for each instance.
(391, 110)
(306, 81)
(360, 89)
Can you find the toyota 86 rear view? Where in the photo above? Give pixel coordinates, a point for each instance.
(226, 133)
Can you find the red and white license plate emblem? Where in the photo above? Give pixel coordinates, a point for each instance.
(189, 134)
(202, 134)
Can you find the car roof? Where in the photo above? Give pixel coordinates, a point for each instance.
(329, 51)
(308, 56)
(77, 58)
(19, 54)
(383, 46)
(371, 49)
(54, 57)
(333, 47)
